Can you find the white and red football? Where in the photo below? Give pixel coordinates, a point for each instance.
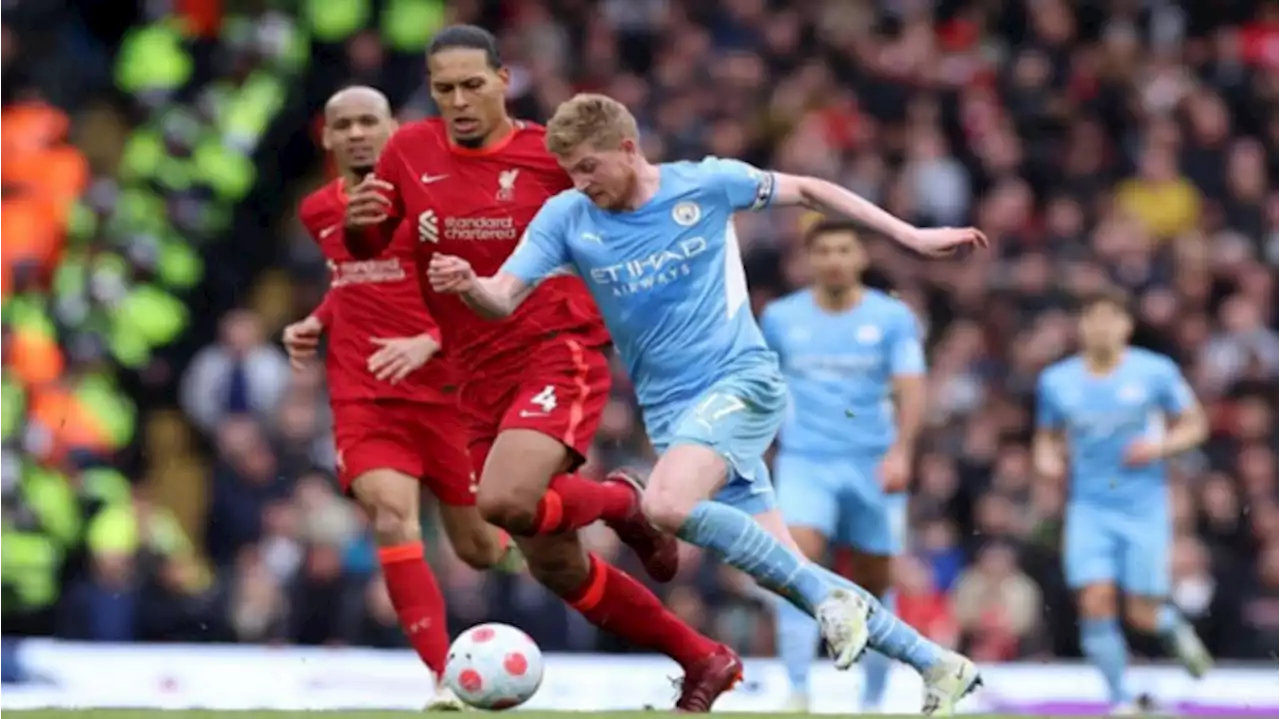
(494, 667)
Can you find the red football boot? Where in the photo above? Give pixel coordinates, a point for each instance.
(658, 552)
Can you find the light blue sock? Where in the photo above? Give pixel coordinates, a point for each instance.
(735, 536)
(797, 641)
(1103, 644)
(891, 636)
(875, 667)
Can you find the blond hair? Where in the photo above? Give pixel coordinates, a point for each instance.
(587, 118)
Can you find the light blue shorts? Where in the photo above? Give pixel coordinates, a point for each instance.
(738, 417)
(1106, 546)
(841, 497)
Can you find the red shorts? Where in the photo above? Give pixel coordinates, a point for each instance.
(561, 391)
(425, 441)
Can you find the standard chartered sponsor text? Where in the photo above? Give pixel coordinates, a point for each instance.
(480, 228)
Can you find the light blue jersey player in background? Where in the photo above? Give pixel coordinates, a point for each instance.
(1105, 411)
(655, 245)
(854, 363)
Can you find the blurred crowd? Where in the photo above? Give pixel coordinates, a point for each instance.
(1098, 141)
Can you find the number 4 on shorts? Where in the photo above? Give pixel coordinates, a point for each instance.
(546, 399)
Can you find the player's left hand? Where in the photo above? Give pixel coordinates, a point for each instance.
(947, 241)
(1141, 453)
(301, 340)
(397, 357)
(895, 470)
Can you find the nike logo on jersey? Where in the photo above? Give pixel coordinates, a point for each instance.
(428, 178)
(328, 231)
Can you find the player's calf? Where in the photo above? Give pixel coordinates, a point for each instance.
(1102, 639)
(559, 562)
(477, 543)
(1156, 616)
(658, 551)
(391, 499)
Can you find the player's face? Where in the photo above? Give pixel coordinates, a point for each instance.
(355, 131)
(607, 176)
(470, 94)
(1104, 327)
(837, 260)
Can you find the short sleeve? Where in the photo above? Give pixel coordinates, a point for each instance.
(542, 251)
(1175, 395)
(906, 351)
(1048, 415)
(744, 186)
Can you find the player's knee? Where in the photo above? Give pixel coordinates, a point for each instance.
(665, 508)
(511, 509)
(391, 501)
(1098, 601)
(393, 523)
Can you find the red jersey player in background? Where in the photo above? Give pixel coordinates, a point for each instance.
(535, 385)
(396, 422)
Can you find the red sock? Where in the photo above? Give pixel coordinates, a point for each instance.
(571, 502)
(418, 602)
(617, 603)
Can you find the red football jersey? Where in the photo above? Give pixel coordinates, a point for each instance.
(475, 204)
(370, 298)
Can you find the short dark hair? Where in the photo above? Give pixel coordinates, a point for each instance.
(827, 226)
(469, 37)
(1110, 296)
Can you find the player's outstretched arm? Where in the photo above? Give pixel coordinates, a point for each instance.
(829, 198)
(490, 297)
(541, 254)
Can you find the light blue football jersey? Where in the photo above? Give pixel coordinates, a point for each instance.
(840, 368)
(667, 278)
(1103, 415)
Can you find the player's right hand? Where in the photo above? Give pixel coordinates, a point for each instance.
(450, 275)
(367, 202)
(301, 340)
(946, 241)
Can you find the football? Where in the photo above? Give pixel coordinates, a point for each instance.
(494, 667)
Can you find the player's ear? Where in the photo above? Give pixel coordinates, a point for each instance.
(326, 140)
(504, 76)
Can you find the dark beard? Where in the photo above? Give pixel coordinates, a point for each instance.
(361, 170)
(471, 143)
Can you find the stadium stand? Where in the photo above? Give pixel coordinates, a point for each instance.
(167, 478)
